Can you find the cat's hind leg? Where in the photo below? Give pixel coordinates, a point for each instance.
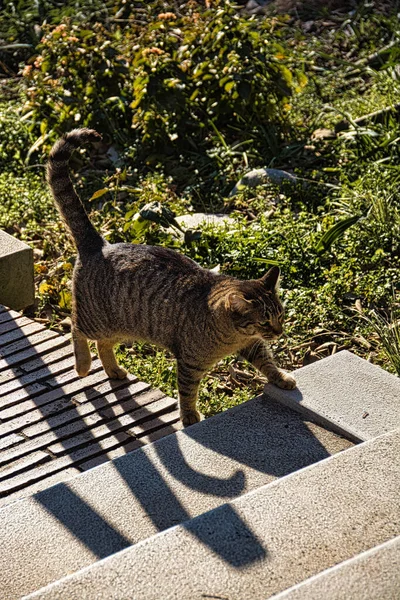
(83, 359)
(107, 357)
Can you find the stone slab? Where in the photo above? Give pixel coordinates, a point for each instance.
(37, 352)
(47, 372)
(24, 344)
(20, 333)
(16, 272)
(10, 440)
(71, 423)
(374, 574)
(9, 315)
(73, 385)
(32, 475)
(155, 487)
(38, 486)
(14, 324)
(171, 423)
(347, 394)
(78, 411)
(23, 464)
(262, 543)
(49, 358)
(125, 422)
(196, 220)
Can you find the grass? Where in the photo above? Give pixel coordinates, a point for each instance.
(336, 234)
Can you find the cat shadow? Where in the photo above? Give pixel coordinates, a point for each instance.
(270, 440)
(146, 483)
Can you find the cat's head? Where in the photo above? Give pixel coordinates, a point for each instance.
(255, 307)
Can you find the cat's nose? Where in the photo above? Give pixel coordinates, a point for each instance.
(278, 329)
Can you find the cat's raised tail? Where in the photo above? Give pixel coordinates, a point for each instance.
(86, 238)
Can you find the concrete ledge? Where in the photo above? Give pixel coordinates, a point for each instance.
(16, 273)
(371, 575)
(345, 393)
(262, 543)
(158, 486)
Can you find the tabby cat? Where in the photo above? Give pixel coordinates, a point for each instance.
(129, 291)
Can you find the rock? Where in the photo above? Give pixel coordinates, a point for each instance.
(322, 134)
(195, 220)
(259, 176)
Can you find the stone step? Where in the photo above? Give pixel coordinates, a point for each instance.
(346, 394)
(262, 543)
(155, 487)
(374, 574)
(16, 272)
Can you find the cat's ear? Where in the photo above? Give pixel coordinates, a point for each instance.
(236, 302)
(271, 278)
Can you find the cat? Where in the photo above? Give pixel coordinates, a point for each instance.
(132, 291)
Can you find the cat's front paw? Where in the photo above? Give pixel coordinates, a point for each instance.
(283, 380)
(116, 373)
(190, 417)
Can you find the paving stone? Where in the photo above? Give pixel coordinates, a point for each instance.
(47, 372)
(43, 484)
(16, 272)
(68, 373)
(122, 423)
(22, 332)
(171, 424)
(345, 393)
(10, 440)
(49, 358)
(14, 324)
(153, 488)
(29, 477)
(24, 374)
(149, 427)
(22, 464)
(110, 387)
(10, 374)
(9, 315)
(94, 402)
(17, 397)
(374, 574)
(45, 398)
(260, 544)
(51, 437)
(18, 423)
(128, 403)
(31, 343)
(100, 459)
(35, 354)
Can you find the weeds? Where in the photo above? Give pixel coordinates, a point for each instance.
(188, 103)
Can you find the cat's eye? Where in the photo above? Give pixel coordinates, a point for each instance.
(265, 323)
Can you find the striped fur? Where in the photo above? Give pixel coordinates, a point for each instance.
(128, 291)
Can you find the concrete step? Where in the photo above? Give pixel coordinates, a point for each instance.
(16, 272)
(374, 574)
(347, 394)
(262, 543)
(108, 508)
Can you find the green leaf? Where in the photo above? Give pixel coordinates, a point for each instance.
(334, 233)
(98, 194)
(228, 86)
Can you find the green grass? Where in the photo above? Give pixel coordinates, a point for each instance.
(336, 235)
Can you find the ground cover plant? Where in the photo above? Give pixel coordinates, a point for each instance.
(189, 98)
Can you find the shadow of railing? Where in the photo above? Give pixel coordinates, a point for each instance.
(259, 443)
